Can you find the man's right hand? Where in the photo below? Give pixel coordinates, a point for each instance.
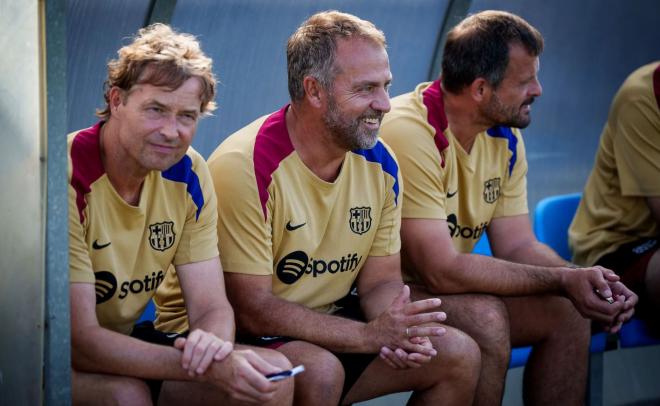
(400, 359)
(589, 288)
(241, 374)
(628, 299)
(403, 320)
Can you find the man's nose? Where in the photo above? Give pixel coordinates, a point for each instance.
(382, 101)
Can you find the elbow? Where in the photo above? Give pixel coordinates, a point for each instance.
(441, 279)
(439, 284)
(249, 321)
(79, 359)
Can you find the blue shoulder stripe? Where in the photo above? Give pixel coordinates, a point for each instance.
(381, 155)
(505, 132)
(182, 172)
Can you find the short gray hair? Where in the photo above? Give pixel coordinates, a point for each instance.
(311, 49)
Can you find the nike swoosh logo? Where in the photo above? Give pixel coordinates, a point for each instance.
(450, 195)
(98, 246)
(291, 228)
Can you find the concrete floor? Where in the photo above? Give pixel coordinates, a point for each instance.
(631, 377)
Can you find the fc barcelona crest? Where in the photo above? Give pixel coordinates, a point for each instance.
(161, 235)
(360, 219)
(491, 190)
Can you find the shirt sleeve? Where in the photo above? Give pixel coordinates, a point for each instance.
(637, 146)
(513, 197)
(80, 265)
(388, 238)
(420, 162)
(244, 233)
(199, 239)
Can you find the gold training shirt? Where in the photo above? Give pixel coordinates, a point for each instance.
(126, 250)
(445, 182)
(277, 218)
(613, 210)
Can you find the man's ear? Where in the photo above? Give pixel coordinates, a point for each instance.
(116, 96)
(314, 92)
(480, 89)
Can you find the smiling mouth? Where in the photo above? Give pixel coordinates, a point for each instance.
(371, 120)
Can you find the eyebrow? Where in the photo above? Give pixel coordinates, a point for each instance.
(155, 102)
(167, 108)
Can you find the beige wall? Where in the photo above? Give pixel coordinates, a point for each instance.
(21, 211)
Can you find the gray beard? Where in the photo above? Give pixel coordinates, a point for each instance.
(348, 135)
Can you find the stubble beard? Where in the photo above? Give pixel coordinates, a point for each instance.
(349, 134)
(499, 114)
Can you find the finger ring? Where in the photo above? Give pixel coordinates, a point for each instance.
(407, 332)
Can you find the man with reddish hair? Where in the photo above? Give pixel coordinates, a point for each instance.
(141, 201)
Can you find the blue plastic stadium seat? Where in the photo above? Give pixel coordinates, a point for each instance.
(552, 217)
(635, 334)
(149, 313)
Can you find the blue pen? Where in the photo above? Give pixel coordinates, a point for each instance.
(278, 376)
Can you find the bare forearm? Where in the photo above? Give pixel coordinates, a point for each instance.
(218, 321)
(378, 299)
(469, 273)
(276, 317)
(536, 253)
(99, 350)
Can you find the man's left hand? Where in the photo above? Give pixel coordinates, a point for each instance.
(628, 299)
(200, 349)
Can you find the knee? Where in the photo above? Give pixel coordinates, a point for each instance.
(324, 371)
(110, 389)
(485, 318)
(284, 393)
(323, 378)
(491, 318)
(128, 391)
(567, 320)
(458, 354)
(276, 359)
